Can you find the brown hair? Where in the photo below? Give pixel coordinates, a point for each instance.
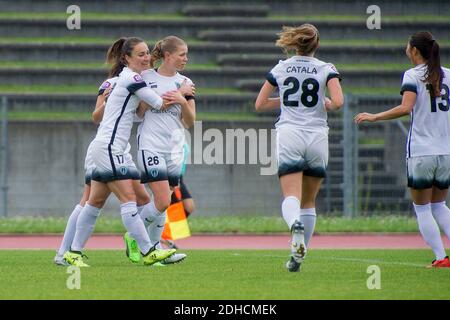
(303, 39)
(116, 54)
(168, 44)
(428, 47)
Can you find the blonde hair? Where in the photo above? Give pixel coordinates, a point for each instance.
(303, 39)
(168, 44)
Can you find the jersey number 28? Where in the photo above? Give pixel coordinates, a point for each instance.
(310, 89)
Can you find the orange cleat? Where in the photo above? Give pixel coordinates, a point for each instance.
(444, 263)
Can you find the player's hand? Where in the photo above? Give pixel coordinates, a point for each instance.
(107, 92)
(327, 104)
(361, 117)
(174, 97)
(187, 89)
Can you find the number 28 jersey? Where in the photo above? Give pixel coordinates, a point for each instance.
(429, 131)
(302, 84)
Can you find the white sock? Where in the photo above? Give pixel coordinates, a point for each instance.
(154, 221)
(308, 218)
(140, 208)
(134, 225)
(441, 214)
(69, 232)
(290, 209)
(430, 230)
(85, 226)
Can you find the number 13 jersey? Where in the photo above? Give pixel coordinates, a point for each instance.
(302, 84)
(429, 131)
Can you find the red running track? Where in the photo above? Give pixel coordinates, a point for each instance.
(346, 241)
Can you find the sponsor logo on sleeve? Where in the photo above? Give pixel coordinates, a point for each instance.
(137, 78)
(106, 85)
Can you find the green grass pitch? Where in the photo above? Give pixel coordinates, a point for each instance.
(227, 274)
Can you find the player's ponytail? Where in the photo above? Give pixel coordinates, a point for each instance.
(429, 50)
(156, 53)
(304, 40)
(116, 54)
(113, 57)
(168, 44)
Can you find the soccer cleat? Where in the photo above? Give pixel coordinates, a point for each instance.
(443, 263)
(59, 261)
(75, 259)
(175, 258)
(158, 264)
(298, 247)
(156, 255)
(132, 248)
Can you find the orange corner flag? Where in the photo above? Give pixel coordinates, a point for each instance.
(176, 226)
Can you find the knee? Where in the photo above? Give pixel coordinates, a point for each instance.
(97, 202)
(142, 198)
(128, 197)
(162, 202)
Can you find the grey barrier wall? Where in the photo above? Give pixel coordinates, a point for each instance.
(46, 173)
(231, 170)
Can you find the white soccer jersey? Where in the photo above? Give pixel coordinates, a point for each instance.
(302, 82)
(162, 131)
(120, 109)
(108, 83)
(429, 132)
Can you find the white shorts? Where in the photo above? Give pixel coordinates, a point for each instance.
(88, 165)
(427, 171)
(160, 166)
(299, 150)
(111, 164)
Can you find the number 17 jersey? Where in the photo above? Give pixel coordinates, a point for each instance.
(302, 82)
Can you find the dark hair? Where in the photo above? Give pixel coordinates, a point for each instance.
(303, 39)
(116, 54)
(168, 44)
(428, 47)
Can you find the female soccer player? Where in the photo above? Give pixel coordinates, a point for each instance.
(302, 130)
(114, 170)
(141, 193)
(161, 135)
(425, 90)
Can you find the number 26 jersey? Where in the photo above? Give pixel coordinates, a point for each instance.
(302, 82)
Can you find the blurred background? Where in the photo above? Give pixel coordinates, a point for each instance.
(49, 79)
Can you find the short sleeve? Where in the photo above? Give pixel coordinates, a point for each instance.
(189, 81)
(409, 83)
(333, 73)
(105, 85)
(135, 82)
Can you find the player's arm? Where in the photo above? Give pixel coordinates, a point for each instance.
(264, 102)
(405, 108)
(187, 106)
(150, 97)
(97, 114)
(142, 108)
(187, 89)
(336, 100)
